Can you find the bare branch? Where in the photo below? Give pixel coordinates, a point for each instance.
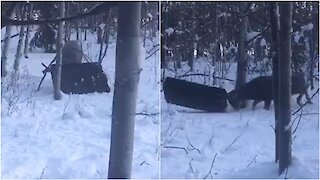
(176, 147)
(193, 148)
(102, 8)
(210, 171)
(235, 140)
(253, 160)
(305, 103)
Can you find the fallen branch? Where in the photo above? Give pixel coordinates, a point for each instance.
(193, 148)
(175, 147)
(210, 171)
(42, 172)
(235, 140)
(253, 160)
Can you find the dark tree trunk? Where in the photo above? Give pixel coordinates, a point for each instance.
(128, 68)
(77, 23)
(242, 60)
(285, 86)
(274, 21)
(57, 84)
(26, 42)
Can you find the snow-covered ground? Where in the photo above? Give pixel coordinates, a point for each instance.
(70, 138)
(235, 144)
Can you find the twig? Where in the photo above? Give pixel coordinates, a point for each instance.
(209, 173)
(15, 35)
(273, 128)
(211, 138)
(193, 148)
(235, 140)
(150, 55)
(298, 122)
(176, 147)
(306, 114)
(253, 160)
(147, 114)
(305, 103)
(144, 162)
(190, 166)
(42, 172)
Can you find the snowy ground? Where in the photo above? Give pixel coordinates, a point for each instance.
(233, 144)
(70, 138)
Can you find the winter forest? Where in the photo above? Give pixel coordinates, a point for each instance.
(159, 90)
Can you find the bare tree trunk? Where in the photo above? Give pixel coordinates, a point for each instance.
(128, 68)
(242, 59)
(66, 37)
(100, 35)
(274, 21)
(26, 42)
(19, 49)
(285, 86)
(57, 84)
(190, 49)
(4, 54)
(77, 22)
(105, 39)
(312, 42)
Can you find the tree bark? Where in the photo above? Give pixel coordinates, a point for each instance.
(4, 54)
(285, 86)
(274, 22)
(242, 60)
(57, 84)
(128, 68)
(26, 42)
(20, 43)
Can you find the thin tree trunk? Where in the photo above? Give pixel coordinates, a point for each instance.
(26, 42)
(66, 25)
(312, 41)
(105, 39)
(19, 48)
(57, 85)
(128, 68)
(274, 21)
(4, 54)
(242, 61)
(77, 23)
(285, 86)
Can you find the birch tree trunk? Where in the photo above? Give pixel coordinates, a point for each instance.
(4, 54)
(128, 68)
(20, 43)
(285, 86)
(57, 84)
(274, 22)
